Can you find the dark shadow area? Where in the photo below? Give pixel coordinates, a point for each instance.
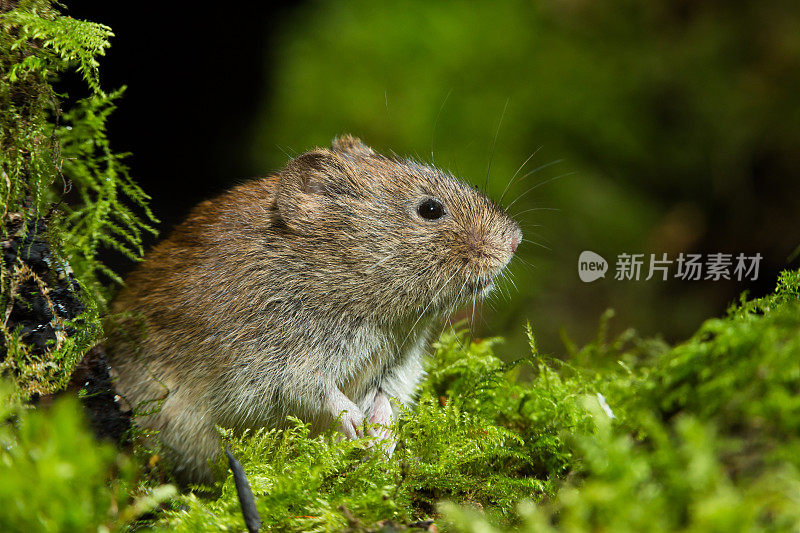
(194, 80)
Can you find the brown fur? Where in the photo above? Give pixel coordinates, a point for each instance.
(308, 293)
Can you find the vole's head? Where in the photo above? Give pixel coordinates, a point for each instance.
(392, 233)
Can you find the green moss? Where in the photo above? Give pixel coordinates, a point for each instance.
(707, 436)
(58, 171)
(469, 439)
(637, 437)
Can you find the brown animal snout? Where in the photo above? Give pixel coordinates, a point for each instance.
(516, 238)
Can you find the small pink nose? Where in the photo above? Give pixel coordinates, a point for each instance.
(514, 243)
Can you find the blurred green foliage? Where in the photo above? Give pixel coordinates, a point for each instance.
(680, 121)
(57, 477)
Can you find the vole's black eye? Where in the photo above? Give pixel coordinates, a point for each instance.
(430, 209)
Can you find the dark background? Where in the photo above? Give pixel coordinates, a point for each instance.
(194, 80)
(679, 124)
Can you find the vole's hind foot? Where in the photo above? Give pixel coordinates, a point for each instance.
(382, 440)
(381, 420)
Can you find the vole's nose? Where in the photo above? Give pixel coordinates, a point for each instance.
(516, 238)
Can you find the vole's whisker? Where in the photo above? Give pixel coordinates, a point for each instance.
(535, 209)
(433, 299)
(537, 244)
(474, 300)
(421, 272)
(534, 171)
(500, 285)
(435, 123)
(526, 226)
(463, 286)
(453, 331)
(494, 143)
(545, 182)
(523, 261)
(511, 181)
(538, 236)
(510, 279)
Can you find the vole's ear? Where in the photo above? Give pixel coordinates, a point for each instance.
(349, 144)
(306, 184)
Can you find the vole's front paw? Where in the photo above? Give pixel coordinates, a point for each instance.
(380, 414)
(352, 423)
(351, 418)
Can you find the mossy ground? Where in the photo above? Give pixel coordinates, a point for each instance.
(627, 435)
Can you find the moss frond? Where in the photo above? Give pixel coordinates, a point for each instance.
(65, 194)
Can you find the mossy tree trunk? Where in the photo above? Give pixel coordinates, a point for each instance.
(65, 195)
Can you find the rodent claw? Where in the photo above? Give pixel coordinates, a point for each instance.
(352, 423)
